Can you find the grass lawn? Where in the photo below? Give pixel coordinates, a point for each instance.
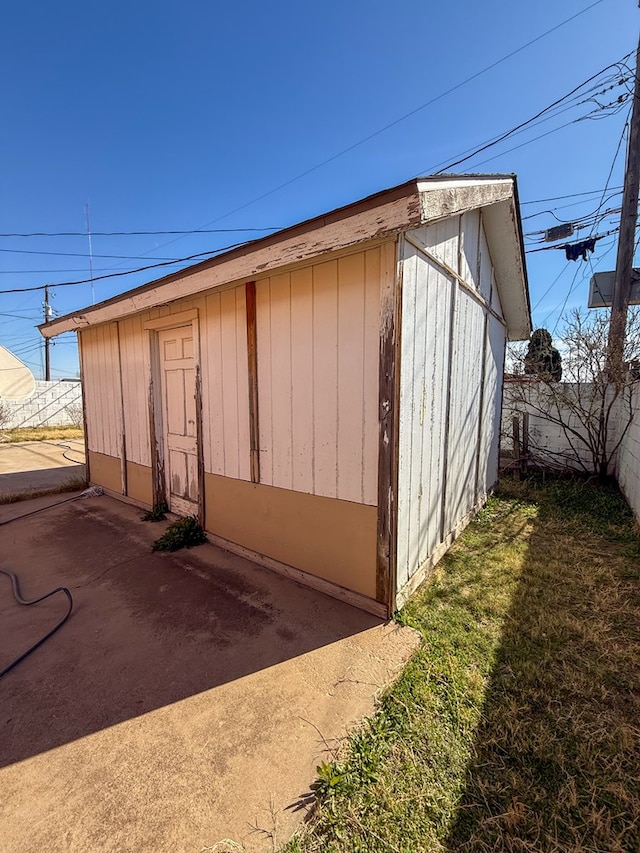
(517, 725)
(40, 433)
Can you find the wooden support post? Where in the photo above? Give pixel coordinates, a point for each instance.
(155, 423)
(202, 514)
(516, 446)
(525, 443)
(252, 355)
(388, 427)
(84, 411)
(123, 438)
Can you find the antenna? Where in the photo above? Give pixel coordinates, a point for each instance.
(93, 296)
(47, 317)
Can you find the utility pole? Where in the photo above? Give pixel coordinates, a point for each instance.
(47, 342)
(626, 238)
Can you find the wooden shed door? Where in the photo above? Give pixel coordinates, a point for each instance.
(177, 368)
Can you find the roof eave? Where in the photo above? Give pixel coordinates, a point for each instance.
(381, 215)
(377, 217)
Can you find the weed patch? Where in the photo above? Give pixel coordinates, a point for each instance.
(183, 533)
(158, 513)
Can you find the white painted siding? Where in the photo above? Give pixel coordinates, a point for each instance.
(450, 389)
(426, 313)
(491, 407)
(441, 239)
(225, 383)
(135, 369)
(101, 375)
(464, 408)
(223, 356)
(471, 234)
(487, 279)
(318, 339)
(495, 296)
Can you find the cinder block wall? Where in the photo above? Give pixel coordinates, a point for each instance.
(628, 462)
(56, 403)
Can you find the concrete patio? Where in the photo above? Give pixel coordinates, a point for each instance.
(187, 700)
(29, 466)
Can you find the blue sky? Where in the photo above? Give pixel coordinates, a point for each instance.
(164, 116)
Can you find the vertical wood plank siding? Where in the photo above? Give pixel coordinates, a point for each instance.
(102, 389)
(423, 385)
(466, 374)
(492, 405)
(318, 337)
(133, 343)
(450, 365)
(225, 382)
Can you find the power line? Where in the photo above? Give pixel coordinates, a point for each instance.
(586, 221)
(535, 139)
(522, 125)
(133, 234)
(402, 118)
(551, 248)
(200, 255)
(186, 232)
(77, 269)
(80, 255)
(551, 210)
(551, 286)
(613, 163)
(574, 284)
(562, 197)
(569, 292)
(16, 316)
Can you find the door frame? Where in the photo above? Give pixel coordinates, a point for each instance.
(156, 408)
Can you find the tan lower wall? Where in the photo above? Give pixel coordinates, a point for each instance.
(139, 483)
(328, 538)
(105, 471)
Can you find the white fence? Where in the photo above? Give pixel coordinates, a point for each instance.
(628, 462)
(551, 444)
(57, 403)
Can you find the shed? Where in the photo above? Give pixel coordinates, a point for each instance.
(326, 399)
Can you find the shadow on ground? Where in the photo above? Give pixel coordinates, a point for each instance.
(24, 482)
(557, 754)
(147, 629)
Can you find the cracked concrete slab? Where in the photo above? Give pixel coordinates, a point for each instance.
(187, 700)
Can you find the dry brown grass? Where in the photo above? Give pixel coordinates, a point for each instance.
(40, 433)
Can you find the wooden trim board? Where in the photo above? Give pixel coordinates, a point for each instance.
(172, 321)
(252, 357)
(388, 422)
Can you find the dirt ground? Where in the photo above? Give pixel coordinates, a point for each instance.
(187, 700)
